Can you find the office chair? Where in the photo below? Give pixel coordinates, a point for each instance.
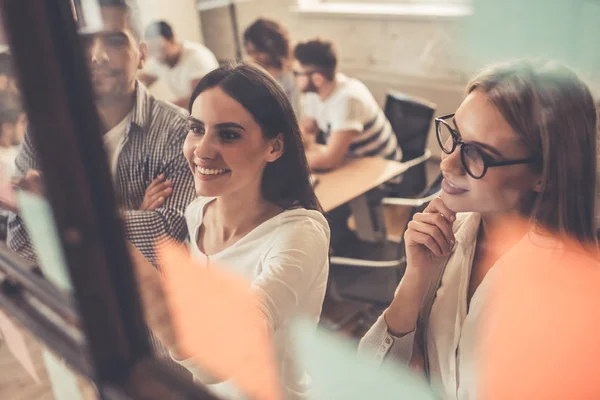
(410, 118)
(387, 255)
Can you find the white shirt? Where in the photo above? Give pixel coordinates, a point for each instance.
(196, 60)
(452, 334)
(7, 160)
(286, 260)
(113, 143)
(352, 107)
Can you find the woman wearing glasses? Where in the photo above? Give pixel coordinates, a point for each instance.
(522, 143)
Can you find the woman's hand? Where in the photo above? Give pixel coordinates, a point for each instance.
(429, 237)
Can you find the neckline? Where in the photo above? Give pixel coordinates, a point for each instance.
(242, 239)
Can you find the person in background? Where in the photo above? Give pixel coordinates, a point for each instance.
(143, 139)
(522, 144)
(342, 108)
(12, 130)
(8, 83)
(180, 63)
(267, 43)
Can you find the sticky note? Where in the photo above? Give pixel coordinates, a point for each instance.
(339, 373)
(63, 381)
(15, 342)
(39, 221)
(218, 323)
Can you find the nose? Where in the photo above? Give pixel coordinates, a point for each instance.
(451, 163)
(98, 52)
(206, 147)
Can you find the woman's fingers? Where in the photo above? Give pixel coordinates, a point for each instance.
(438, 220)
(434, 232)
(420, 238)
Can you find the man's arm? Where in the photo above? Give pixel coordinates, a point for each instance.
(145, 228)
(17, 236)
(332, 154)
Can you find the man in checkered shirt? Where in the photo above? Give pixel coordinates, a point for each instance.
(143, 141)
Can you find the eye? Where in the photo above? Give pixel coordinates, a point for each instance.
(229, 135)
(116, 40)
(197, 130)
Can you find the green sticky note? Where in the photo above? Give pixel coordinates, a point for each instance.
(63, 381)
(561, 30)
(39, 221)
(338, 372)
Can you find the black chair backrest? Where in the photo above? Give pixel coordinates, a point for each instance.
(411, 120)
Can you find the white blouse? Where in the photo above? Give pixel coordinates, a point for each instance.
(452, 328)
(286, 260)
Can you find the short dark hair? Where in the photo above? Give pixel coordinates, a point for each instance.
(159, 28)
(270, 37)
(286, 181)
(132, 9)
(319, 53)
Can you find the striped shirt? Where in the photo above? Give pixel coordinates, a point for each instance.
(152, 145)
(352, 107)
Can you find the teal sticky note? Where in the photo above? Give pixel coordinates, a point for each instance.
(63, 381)
(338, 372)
(39, 222)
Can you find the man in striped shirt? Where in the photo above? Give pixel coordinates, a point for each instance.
(342, 108)
(143, 140)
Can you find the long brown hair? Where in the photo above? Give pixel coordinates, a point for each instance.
(554, 113)
(286, 181)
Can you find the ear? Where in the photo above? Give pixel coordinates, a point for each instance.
(143, 48)
(276, 149)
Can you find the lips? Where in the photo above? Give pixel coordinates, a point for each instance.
(451, 188)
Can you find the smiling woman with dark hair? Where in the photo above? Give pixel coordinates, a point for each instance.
(256, 213)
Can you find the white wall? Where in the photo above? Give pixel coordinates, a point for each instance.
(416, 56)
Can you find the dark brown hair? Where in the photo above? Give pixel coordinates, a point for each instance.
(554, 113)
(286, 181)
(319, 54)
(269, 37)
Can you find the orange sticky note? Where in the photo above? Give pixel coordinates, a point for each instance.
(15, 341)
(540, 336)
(217, 323)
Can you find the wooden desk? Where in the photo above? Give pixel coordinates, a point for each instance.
(353, 179)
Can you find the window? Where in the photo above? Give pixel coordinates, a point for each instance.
(388, 8)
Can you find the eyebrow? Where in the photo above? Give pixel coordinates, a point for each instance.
(482, 145)
(222, 125)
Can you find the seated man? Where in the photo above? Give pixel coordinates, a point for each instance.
(342, 108)
(180, 64)
(143, 140)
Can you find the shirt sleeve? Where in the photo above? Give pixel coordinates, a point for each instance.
(146, 228)
(347, 115)
(379, 344)
(294, 263)
(199, 64)
(17, 237)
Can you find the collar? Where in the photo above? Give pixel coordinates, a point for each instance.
(142, 109)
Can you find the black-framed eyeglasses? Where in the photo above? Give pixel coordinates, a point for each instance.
(474, 159)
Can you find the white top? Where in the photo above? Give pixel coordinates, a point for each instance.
(452, 348)
(286, 259)
(113, 142)
(196, 61)
(352, 107)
